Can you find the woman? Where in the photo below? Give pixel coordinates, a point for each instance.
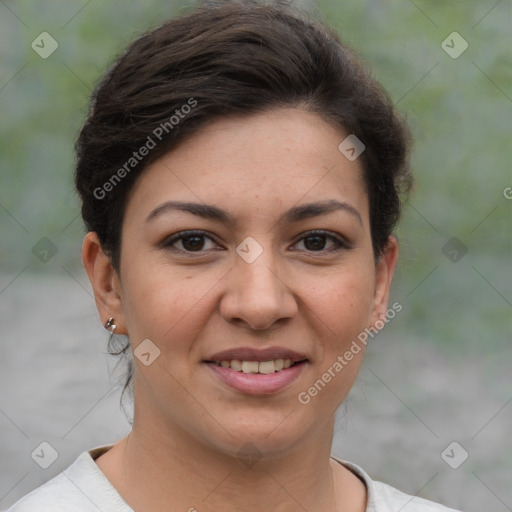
(241, 175)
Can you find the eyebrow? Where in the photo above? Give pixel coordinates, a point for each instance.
(295, 214)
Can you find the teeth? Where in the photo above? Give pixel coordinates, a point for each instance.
(235, 364)
(264, 367)
(250, 366)
(267, 367)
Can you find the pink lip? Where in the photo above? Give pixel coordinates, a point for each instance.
(251, 354)
(256, 383)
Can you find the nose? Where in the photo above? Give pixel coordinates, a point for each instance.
(257, 295)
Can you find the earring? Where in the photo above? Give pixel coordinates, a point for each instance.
(110, 325)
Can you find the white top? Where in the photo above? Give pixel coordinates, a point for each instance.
(83, 487)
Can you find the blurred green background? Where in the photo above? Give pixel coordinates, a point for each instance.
(448, 354)
(459, 110)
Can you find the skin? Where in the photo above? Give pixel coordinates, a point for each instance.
(183, 450)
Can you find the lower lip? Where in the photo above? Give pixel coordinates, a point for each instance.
(257, 383)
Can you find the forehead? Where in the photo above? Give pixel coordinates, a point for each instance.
(260, 164)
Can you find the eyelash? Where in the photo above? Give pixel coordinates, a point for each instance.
(168, 242)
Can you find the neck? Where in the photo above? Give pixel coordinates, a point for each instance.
(152, 471)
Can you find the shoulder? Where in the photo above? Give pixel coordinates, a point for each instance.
(58, 494)
(389, 499)
(385, 498)
(81, 487)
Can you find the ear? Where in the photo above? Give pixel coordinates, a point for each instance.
(104, 280)
(384, 271)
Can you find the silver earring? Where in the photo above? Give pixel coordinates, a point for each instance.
(110, 325)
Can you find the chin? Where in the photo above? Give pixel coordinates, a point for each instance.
(252, 436)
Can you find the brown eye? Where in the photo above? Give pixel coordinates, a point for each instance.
(191, 241)
(316, 241)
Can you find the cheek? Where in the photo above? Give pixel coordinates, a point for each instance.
(343, 308)
(343, 302)
(164, 304)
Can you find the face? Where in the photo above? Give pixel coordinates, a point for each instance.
(254, 273)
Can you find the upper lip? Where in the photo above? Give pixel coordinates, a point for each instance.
(261, 355)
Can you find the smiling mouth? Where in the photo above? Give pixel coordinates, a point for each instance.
(260, 367)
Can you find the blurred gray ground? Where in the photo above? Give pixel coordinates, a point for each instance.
(410, 402)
